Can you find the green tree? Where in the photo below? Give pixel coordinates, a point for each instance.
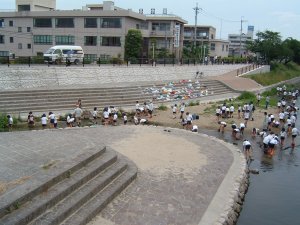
(293, 47)
(133, 44)
(268, 45)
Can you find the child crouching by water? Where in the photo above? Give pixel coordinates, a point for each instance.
(222, 126)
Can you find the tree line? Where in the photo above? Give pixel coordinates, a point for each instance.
(269, 47)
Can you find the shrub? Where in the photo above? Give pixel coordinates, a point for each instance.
(194, 103)
(3, 122)
(271, 92)
(246, 96)
(163, 108)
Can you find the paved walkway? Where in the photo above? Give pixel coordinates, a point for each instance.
(178, 174)
(237, 82)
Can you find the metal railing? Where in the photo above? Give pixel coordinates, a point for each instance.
(39, 60)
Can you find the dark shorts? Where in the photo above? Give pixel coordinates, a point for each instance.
(271, 145)
(95, 117)
(150, 112)
(217, 114)
(293, 136)
(52, 121)
(189, 122)
(174, 113)
(44, 125)
(125, 122)
(247, 147)
(246, 118)
(282, 138)
(239, 111)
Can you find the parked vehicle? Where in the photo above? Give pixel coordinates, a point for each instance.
(62, 53)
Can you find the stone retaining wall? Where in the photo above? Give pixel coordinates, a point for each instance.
(22, 77)
(226, 205)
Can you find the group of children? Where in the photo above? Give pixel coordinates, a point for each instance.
(284, 124)
(44, 120)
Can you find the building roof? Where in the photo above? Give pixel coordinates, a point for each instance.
(74, 13)
(165, 17)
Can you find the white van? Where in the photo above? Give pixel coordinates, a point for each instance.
(61, 53)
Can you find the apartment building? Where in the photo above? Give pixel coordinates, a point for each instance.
(238, 42)
(205, 38)
(99, 28)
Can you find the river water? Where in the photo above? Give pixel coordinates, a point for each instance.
(273, 197)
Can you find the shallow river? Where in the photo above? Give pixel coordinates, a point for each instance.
(273, 197)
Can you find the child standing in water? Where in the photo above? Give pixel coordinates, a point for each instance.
(295, 133)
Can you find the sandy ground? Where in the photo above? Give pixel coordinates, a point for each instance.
(145, 149)
(208, 120)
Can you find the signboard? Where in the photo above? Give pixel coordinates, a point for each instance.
(177, 36)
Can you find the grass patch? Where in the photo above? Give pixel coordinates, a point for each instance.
(192, 103)
(279, 72)
(162, 108)
(247, 96)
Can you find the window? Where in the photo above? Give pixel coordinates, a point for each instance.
(64, 40)
(11, 39)
(104, 57)
(11, 23)
(111, 22)
(212, 36)
(90, 40)
(144, 25)
(213, 46)
(1, 22)
(202, 34)
(4, 53)
(223, 48)
(23, 8)
(19, 29)
(161, 26)
(1, 39)
(226, 48)
(64, 22)
(29, 46)
(42, 22)
(110, 41)
(28, 29)
(20, 46)
(42, 39)
(90, 57)
(90, 23)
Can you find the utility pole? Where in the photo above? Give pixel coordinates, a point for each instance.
(241, 33)
(196, 17)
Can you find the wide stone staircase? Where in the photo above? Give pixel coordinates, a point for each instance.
(70, 194)
(43, 100)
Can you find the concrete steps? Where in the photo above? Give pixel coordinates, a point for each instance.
(99, 178)
(64, 99)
